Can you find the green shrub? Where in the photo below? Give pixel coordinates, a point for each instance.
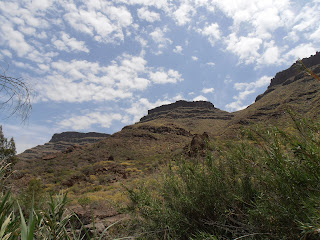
(33, 194)
(265, 186)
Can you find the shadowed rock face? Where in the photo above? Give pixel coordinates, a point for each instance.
(286, 77)
(61, 142)
(184, 109)
(294, 70)
(182, 103)
(74, 136)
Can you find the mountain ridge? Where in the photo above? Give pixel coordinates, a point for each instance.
(199, 116)
(92, 172)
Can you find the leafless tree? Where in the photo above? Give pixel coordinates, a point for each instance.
(15, 96)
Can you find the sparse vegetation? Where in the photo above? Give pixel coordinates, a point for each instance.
(265, 186)
(250, 184)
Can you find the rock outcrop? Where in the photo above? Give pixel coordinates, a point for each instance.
(293, 73)
(182, 103)
(60, 142)
(77, 137)
(185, 109)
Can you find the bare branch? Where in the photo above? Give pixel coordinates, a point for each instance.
(15, 96)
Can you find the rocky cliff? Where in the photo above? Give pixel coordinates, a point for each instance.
(184, 109)
(77, 137)
(182, 103)
(294, 73)
(61, 142)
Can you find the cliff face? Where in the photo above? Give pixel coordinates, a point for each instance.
(184, 109)
(293, 73)
(290, 90)
(61, 142)
(182, 103)
(77, 137)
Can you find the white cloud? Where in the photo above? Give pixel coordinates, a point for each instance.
(40, 4)
(69, 44)
(267, 21)
(246, 89)
(102, 20)
(15, 40)
(159, 4)
(85, 122)
(194, 58)
(200, 98)
(27, 30)
(80, 81)
(140, 108)
(271, 54)
(162, 77)
(245, 47)
(207, 90)
(158, 37)
(315, 35)
(178, 49)
(211, 64)
(253, 12)
(308, 18)
(149, 16)
(184, 13)
(7, 53)
(212, 32)
(300, 51)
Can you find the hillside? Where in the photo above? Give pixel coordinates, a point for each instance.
(61, 142)
(92, 166)
(291, 89)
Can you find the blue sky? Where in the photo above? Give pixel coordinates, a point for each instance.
(98, 65)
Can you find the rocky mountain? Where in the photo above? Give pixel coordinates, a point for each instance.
(90, 166)
(185, 109)
(292, 89)
(61, 142)
(77, 137)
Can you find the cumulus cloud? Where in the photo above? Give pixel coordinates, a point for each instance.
(207, 90)
(200, 98)
(159, 4)
(255, 22)
(162, 77)
(149, 16)
(194, 58)
(15, 40)
(211, 31)
(246, 89)
(178, 49)
(253, 12)
(69, 44)
(247, 48)
(271, 54)
(184, 13)
(211, 64)
(85, 122)
(140, 107)
(158, 36)
(101, 20)
(81, 80)
(300, 51)
(7, 53)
